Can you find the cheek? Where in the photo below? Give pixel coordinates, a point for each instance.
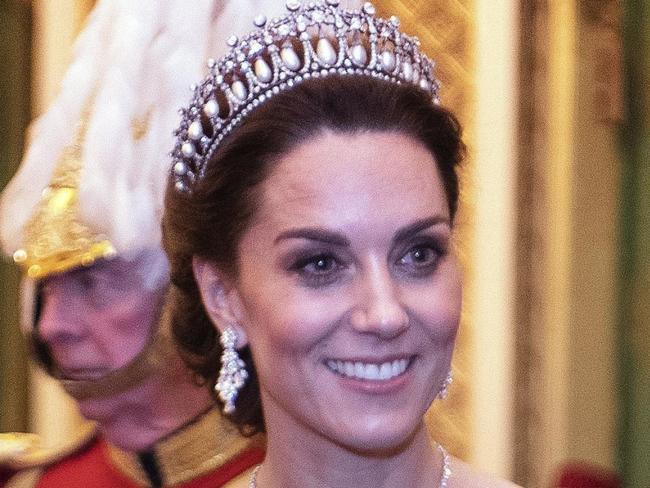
(139, 312)
(129, 325)
(129, 321)
(440, 308)
(290, 319)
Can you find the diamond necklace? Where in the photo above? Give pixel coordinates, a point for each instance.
(446, 470)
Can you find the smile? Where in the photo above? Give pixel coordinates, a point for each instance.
(369, 371)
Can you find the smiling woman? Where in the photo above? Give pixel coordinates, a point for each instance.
(310, 229)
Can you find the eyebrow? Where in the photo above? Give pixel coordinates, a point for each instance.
(418, 226)
(314, 234)
(337, 239)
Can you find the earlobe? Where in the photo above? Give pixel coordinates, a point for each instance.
(215, 295)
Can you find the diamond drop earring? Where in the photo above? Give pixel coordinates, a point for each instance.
(232, 374)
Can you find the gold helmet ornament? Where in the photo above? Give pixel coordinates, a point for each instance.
(54, 240)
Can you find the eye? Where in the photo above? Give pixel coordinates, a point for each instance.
(420, 260)
(44, 287)
(99, 289)
(321, 264)
(318, 270)
(87, 282)
(419, 256)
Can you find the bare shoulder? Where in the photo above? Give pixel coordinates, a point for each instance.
(464, 476)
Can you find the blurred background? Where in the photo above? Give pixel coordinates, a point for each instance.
(553, 364)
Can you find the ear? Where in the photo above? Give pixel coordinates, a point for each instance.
(220, 298)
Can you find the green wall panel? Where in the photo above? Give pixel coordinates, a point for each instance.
(634, 438)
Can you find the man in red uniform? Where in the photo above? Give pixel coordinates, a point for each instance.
(82, 217)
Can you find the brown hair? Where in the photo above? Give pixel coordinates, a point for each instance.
(210, 221)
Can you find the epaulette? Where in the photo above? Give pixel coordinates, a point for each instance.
(14, 445)
(22, 453)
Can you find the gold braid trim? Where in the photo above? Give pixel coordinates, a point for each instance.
(196, 450)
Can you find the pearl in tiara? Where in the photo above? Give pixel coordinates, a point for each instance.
(313, 40)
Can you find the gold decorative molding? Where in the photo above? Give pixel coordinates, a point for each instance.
(445, 30)
(556, 39)
(533, 74)
(604, 19)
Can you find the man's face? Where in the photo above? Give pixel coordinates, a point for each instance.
(95, 320)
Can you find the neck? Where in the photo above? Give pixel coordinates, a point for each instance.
(162, 404)
(309, 459)
(178, 404)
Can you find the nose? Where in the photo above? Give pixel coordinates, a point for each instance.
(379, 309)
(59, 321)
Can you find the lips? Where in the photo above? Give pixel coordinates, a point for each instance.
(83, 374)
(369, 371)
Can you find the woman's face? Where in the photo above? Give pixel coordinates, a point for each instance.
(348, 290)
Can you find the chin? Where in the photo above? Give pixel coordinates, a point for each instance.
(385, 437)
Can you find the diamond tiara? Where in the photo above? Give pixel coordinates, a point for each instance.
(313, 40)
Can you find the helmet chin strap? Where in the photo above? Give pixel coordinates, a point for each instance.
(155, 357)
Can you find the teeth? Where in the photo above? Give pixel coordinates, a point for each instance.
(386, 371)
(359, 370)
(369, 371)
(349, 369)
